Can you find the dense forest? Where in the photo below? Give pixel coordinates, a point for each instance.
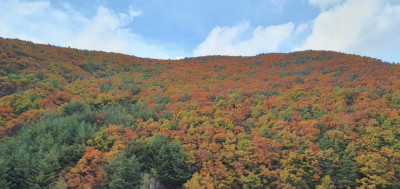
(83, 119)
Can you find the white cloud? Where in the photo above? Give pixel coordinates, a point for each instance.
(365, 27)
(39, 22)
(232, 41)
(302, 28)
(27, 8)
(279, 5)
(325, 4)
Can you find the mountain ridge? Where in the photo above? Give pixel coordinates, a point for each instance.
(16, 40)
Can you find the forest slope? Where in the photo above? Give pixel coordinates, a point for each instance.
(77, 118)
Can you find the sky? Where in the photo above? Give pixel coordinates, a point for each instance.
(172, 29)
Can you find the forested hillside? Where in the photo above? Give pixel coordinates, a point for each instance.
(84, 119)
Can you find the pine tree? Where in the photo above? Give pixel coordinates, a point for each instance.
(347, 173)
(45, 171)
(4, 182)
(123, 172)
(20, 168)
(169, 162)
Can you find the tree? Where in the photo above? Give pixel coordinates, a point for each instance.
(4, 182)
(347, 173)
(87, 172)
(377, 169)
(327, 183)
(194, 182)
(199, 181)
(251, 181)
(46, 171)
(168, 161)
(165, 158)
(297, 170)
(123, 172)
(74, 107)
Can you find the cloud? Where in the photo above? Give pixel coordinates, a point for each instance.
(27, 8)
(105, 31)
(325, 4)
(365, 27)
(233, 41)
(39, 22)
(279, 5)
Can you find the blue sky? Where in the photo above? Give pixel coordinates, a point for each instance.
(174, 29)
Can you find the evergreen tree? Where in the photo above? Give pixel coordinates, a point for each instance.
(123, 172)
(36, 156)
(20, 166)
(168, 161)
(45, 172)
(324, 144)
(347, 173)
(4, 182)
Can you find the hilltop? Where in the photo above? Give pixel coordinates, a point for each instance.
(78, 118)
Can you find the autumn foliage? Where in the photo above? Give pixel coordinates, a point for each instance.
(312, 119)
